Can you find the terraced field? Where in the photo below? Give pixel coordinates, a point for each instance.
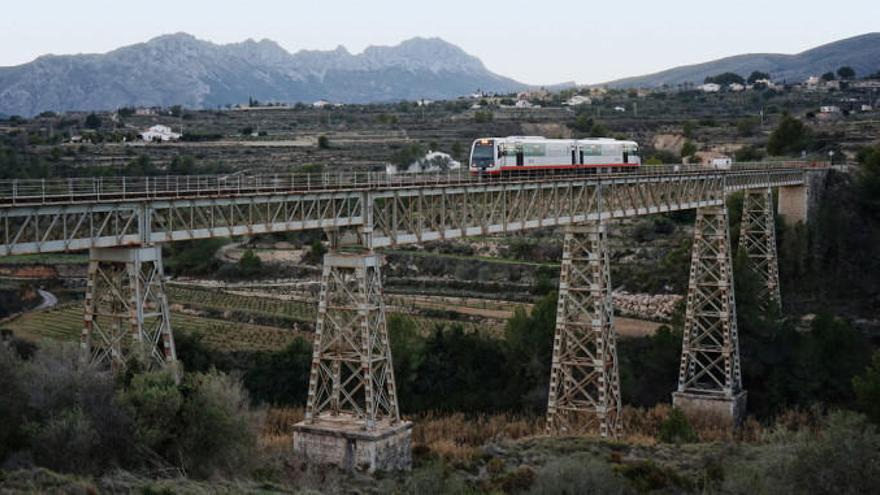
(66, 324)
(305, 311)
(223, 301)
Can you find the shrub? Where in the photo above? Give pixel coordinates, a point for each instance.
(72, 408)
(12, 403)
(844, 459)
(68, 441)
(203, 426)
(790, 136)
(867, 389)
(578, 474)
(219, 430)
(677, 428)
(648, 476)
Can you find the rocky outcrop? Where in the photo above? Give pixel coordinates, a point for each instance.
(654, 307)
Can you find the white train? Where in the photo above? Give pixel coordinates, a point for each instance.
(509, 155)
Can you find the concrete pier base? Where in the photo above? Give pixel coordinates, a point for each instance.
(732, 408)
(342, 441)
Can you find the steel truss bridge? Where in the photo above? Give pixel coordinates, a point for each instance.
(122, 221)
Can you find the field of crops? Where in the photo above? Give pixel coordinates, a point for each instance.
(222, 301)
(66, 324)
(301, 310)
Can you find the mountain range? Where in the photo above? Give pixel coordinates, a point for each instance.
(862, 53)
(179, 69)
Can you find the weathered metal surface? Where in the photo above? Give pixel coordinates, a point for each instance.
(757, 239)
(584, 379)
(126, 310)
(710, 351)
(352, 373)
(393, 211)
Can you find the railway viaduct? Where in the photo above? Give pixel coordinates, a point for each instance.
(352, 417)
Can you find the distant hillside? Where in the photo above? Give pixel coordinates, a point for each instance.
(862, 53)
(180, 69)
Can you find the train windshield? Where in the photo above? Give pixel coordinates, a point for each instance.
(484, 152)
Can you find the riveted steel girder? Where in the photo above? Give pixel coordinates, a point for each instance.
(394, 214)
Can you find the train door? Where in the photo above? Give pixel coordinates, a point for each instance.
(520, 156)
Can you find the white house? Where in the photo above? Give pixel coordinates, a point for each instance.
(766, 83)
(735, 87)
(320, 103)
(578, 100)
(812, 82)
(709, 88)
(524, 104)
(159, 133)
(867, 108)
(433, 161)
(619, 109)
(829, 109)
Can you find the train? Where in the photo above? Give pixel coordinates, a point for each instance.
(517, 154)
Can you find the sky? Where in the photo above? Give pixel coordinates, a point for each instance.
(541, 42)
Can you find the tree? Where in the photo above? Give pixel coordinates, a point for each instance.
(481, 117)
(828, 76)
(868, 181)
(457, 150)
(757, 75)
(725, 79)
(93, 121)
(323, 142)
(688, 149)
(790, 136)
(846, 72)
(867, 388)
(182, 165)
(250, 263)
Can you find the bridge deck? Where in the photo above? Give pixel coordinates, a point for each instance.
(72, 214)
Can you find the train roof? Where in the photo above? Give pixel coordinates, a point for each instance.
(542, 138)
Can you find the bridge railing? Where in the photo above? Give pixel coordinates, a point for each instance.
(97, 189)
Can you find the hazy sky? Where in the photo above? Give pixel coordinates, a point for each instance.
(537, 42)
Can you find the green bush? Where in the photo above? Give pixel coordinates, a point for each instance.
(791, 136)
(647, 476)
(677, 429)
(867, 389)
(202, 426)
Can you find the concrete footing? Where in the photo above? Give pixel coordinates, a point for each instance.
(727, 408)
(342, 441)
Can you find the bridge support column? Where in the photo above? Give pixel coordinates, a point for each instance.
(584, 382)
(709, 379)
(352, 419)
(127, 321)
(757, 239)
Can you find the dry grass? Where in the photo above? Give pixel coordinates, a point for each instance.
(277, 434)
(459, 437)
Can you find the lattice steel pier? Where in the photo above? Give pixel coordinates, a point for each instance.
(126, 311)
(584, 382)
(352, 418)
(709, 377)
(757, 239)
